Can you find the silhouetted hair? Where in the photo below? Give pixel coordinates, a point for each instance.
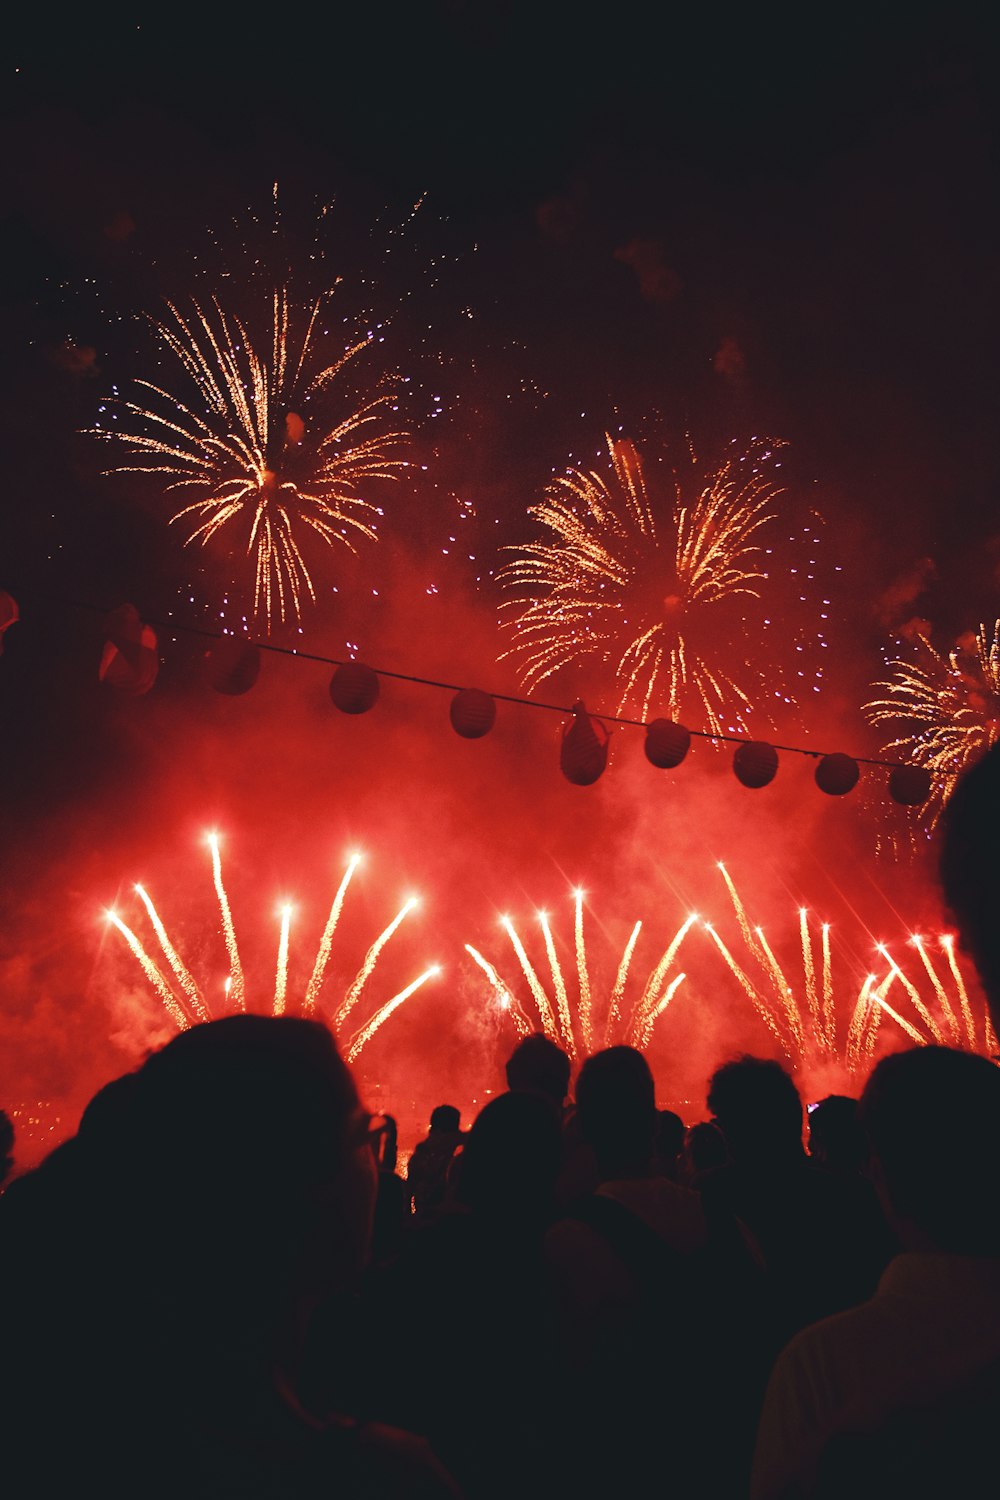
(968, 840)
(511, 1157)
(669, 1133)
(836, 1135)
(756, 1105)
(616, 1106)
(445, 1117)
(6, 1144)
(388, 1146)
(705, 1146)
(538, 1066)
(932, 1115)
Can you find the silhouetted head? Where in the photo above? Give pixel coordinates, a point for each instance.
(616, 1108)
(387, 1144)
(6, 1144)
(932, 1116)
(705, 1148)
(511, 1157)
(836, 1136)
(757, 1107)
(968, 839)
(538, 1066)
(445, 1118)
(668, 1142)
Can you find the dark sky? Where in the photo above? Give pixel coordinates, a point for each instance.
(732, 220)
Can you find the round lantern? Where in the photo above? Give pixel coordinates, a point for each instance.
(472, 713)
(837, 774)
(354, 688)
(909, 785)
(129, 661)
(232, 666)
(755, 763)
(583, 754)
(667, 743)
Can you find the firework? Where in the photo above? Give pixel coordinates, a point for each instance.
(567, 1015)
(660, 593)
(817, 1019)
(262, 442)
(945, 709)
(801, 1012)
(184, 1000)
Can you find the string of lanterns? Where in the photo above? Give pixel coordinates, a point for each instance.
(231, 665)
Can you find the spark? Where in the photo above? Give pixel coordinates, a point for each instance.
(185, 1002)
(183, 973)
(364, 1036)
(371, 959)
(507, 999)
(151, 972)
(281, 975)
(237, 990)
(655, 591)
(944, 707)
(264, 442)
(568, 1019)
(326, 941)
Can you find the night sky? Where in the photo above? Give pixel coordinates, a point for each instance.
(687, 227)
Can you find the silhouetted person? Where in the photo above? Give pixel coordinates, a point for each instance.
(704, 1149)
(167, 1261)
(464, 1333)
(823, 1238)
(668, 1144)
(392, 1199)
(646, 1305)
(837, 1139)
(900, 1395)
(538, 1066)
(6, 1145)
(968, 835)
(428, 1170)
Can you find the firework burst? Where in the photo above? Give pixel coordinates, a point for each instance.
(262, 441)
(185, 1002)
(659, 593)
(945, 709)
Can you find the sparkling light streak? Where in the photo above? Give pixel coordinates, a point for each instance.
(657, 593)
(262, 440)
(185, 1003)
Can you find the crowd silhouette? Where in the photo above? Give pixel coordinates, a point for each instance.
(222, 1285)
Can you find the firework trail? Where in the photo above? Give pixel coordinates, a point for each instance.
(802, 1015)
(368, 967)
(281, 976)
(945, 709)
(568, 1019)
(363, 1036)
(185, 1004)
(236, 990)
(657, 592)
(265, 445)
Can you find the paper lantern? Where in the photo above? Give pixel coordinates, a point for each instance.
(583, 754)
(909, 785)
(9, 613)
(837, 774)
(232, 666)
(129, 661)
(354, 688)
(755, 763)
(667, 743)
(472, 713)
